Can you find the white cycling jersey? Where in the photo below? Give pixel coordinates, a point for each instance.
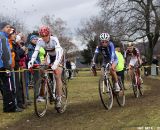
(53, 48)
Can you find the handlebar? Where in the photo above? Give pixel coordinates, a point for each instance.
(41, 65)
(38, 65)
(45, 66)
(108, 65)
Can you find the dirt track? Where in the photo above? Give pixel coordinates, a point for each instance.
(86, 112)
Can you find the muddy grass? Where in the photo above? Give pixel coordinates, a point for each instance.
(85, 110)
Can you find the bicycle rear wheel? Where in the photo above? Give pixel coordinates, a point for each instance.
(105, 93)
(120, 96)
(40, 97)
(63, 98)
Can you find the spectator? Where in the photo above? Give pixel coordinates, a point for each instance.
(12, 38)
(31, 48)
(73, 66)
(68, 66)
(5, 65)
(42, 54)
(155, 62)
(19, 63)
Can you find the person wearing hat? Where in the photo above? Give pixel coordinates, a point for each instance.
(31, 48)
(19, 62)
(5, 65)
(4, 32)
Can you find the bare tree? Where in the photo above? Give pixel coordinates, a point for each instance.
(92, 28)
(138, 18)
(19, 25)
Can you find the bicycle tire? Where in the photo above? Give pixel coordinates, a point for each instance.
(141, 92)
(64, 98)
(105, 93)
(120, 96)
(135, 87)
(40, 109)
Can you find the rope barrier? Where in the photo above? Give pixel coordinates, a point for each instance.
(147, 66)
(21, 70)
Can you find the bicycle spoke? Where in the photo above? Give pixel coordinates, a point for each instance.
(105, 93)
(40, 98)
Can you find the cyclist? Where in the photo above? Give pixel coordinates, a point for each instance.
(135, 59)
(54, 52)
(106, 48)
(120, 65)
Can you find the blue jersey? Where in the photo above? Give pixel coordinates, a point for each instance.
(108, 53)
(1, 51)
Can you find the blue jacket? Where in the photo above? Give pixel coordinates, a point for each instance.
(5, 51)
(108, 53)
(1, 51)
(31, 49)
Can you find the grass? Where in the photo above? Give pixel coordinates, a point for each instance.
(85, 110)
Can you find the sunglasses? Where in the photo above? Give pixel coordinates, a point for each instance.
(104, 41)
(43, 36)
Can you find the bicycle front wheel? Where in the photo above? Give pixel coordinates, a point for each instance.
(105, 93)
(63, 98)
(136, 91)
(141, 90)
(40, 97)
(120, 96)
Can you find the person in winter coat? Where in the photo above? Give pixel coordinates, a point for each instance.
(6, 85)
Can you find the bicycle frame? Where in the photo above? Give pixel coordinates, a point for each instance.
(137, 76)
(136, 82)
(107, 91)
(49, 82)
(46, 76)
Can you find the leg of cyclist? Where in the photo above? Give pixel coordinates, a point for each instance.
(102, 71)
(121, 74)
(131, 72)
(58, 73)
(115, 77)
(132, 63)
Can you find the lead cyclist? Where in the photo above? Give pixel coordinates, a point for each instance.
(55, 53)
(106, 48)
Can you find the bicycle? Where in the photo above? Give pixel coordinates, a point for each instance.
(45, 87)
(136, 82)
(107, 90)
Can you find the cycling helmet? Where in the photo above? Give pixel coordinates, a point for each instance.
(104, 36)
(44, 31)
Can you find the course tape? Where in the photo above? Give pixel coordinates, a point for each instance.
(21, 70)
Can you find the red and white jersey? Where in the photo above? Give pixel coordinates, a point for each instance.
(133, 53)
(53, 48)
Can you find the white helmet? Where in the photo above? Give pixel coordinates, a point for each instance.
(104, 36)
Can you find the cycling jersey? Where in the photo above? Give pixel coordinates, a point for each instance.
(134, 54)
(53, 49)
(120, 65)
(108, 53)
